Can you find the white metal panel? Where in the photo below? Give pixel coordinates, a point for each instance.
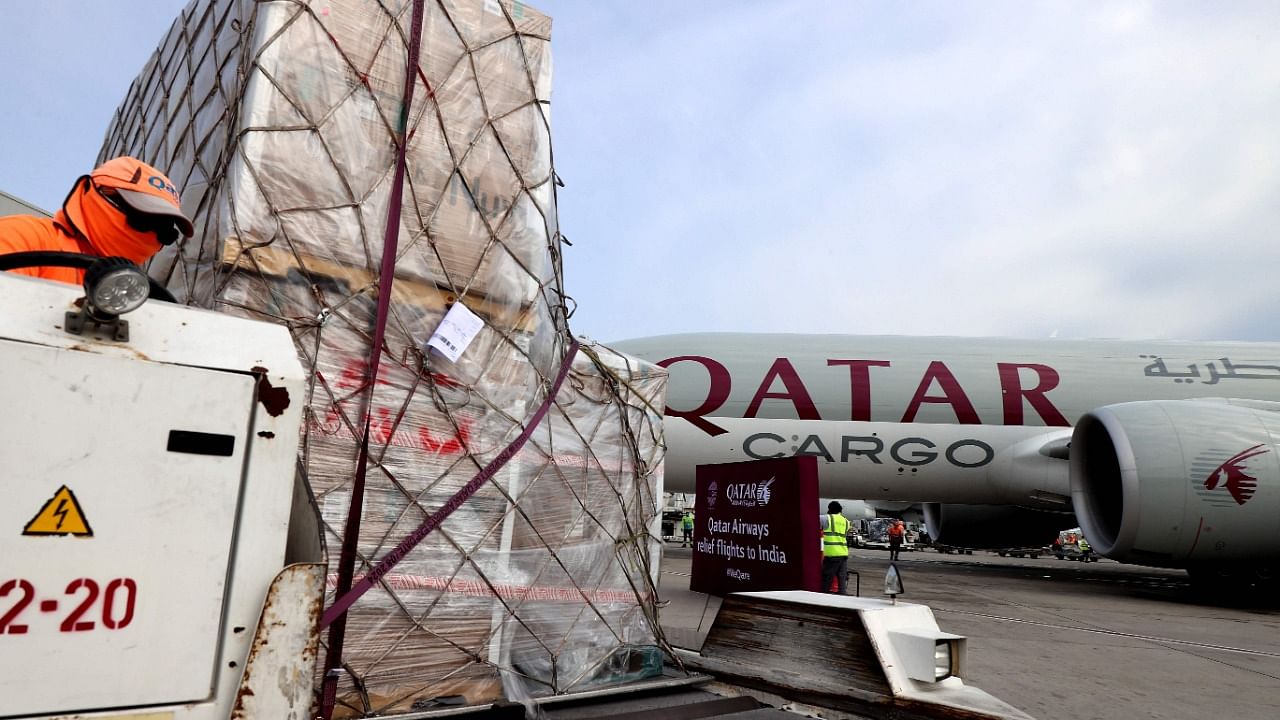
(158, 331)
(161, 523)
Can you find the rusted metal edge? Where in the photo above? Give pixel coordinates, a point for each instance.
(279, 668)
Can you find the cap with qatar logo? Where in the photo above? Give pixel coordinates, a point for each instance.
(143, 188)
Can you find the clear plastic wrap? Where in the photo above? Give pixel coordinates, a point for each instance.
(277, 120)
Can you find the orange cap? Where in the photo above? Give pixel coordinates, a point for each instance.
(144, 188)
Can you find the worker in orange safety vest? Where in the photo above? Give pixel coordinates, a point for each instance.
(124, 208)
(897, 531)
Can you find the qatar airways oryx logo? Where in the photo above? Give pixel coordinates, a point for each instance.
(1233, 477)
(713, 492)
(750, 494)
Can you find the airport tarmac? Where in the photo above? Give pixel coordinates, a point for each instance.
(1061, 639)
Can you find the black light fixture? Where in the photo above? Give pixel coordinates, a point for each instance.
(113, 286)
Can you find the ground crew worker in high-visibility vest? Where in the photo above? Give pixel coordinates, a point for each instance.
(124, 208)
(686, 526)
(835, 549)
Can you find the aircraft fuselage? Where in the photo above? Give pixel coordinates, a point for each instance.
(965, 420)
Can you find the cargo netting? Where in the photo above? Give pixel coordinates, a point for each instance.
(284, 127)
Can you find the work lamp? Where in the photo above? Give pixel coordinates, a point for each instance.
(114, 286)
(928, 654)
(942, 659)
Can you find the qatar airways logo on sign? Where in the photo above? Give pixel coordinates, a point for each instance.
(749, 494)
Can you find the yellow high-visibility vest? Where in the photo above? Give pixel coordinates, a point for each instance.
(834, 543)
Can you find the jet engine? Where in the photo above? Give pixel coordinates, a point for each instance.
(1181, 483)
(993, 526)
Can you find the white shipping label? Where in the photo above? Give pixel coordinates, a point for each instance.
(458, 328)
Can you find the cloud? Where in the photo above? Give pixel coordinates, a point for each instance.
(67, 67)
(999, 170)
(957, 168)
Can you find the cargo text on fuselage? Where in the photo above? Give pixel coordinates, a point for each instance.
(909, 451)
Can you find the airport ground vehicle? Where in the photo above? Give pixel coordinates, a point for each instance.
(1072, 545)
(877, 536)
(160, 552)
(671, 524)
(1028, 552)
(165, 561)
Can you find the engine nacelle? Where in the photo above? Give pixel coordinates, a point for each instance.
(993, 526)
(1179, 483)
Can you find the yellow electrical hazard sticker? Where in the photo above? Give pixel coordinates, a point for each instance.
(60, 516)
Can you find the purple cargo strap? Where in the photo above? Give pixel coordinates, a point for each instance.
(390, 560)
(346, 561)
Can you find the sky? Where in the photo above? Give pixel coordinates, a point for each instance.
(1036, 170)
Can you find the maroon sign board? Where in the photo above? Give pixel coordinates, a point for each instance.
(756, 527)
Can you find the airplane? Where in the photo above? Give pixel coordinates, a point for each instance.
(854, 510)
(1165, 453)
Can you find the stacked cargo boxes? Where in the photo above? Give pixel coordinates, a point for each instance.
(280, 122)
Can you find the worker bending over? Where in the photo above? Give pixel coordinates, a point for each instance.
(125, 208)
